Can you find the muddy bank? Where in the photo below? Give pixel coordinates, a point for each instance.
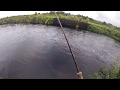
(71, 24)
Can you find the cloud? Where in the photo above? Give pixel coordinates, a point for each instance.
(109, 17)
(112, 17)
(14, 13)
(102, 16)
(117, 14)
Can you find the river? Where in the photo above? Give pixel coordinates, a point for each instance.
(41, 52)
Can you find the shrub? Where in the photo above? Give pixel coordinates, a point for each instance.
(112, 73)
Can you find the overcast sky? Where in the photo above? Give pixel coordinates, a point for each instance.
(112, 17)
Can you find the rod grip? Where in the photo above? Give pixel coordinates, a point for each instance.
(80, 76)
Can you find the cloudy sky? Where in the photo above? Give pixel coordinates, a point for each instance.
(112, 17)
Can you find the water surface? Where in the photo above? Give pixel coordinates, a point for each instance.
(39, 51)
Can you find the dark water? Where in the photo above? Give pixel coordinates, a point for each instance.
(38, 51)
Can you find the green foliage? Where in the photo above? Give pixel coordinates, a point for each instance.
(61, 16)
(77, 19)
(47, 19)
(112, 73)
(81, 19)
(34, 19)
(87, 20)
(102, 29)
(94, 26)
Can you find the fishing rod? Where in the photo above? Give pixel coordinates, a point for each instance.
(79, 74)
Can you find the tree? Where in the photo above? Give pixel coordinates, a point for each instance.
(87, 20)
(104, 22)
(61, 16)
(80, 19)
(52, 12)
(35, 13)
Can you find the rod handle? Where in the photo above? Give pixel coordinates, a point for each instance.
(80, 76)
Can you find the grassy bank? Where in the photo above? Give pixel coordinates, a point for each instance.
(112, 73)
(102, 29)
(48, 19)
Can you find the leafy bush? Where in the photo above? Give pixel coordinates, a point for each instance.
(112, 73)
(101, 29)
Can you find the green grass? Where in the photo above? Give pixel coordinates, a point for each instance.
(112, 73)
(47, 19)
(102, 29)
(33, 19)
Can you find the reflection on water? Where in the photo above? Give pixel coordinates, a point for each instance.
(38, 51)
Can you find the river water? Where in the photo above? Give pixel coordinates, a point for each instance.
(41, 52)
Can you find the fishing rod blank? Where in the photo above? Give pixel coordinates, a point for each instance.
(78, 72)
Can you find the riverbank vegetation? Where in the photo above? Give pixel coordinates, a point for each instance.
(112, 73)
(48, 19)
